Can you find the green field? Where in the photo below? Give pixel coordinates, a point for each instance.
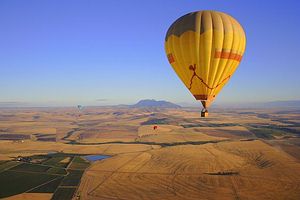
(49, 187)
(56, 161)
(27, 167)
(56, 170)
(73, 178)
(78, 159)
(13, 182)
(79, 163)
(7, 165)
(50, 175)
(63, 193)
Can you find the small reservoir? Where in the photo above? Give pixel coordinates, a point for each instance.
(93, 158)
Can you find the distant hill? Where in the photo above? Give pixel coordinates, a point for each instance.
(154, 104)
(272, 104)
(294, 103)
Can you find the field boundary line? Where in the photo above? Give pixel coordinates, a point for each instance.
(41, 185)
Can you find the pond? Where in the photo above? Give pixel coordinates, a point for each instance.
(96, 157)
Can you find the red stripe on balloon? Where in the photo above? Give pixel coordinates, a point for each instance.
(228, 55)
(171, 58)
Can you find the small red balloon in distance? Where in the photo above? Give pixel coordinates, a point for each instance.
(154, 127)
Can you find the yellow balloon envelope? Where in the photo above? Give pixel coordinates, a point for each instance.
(205, 48)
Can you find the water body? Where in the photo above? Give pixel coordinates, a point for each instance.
(93, 158)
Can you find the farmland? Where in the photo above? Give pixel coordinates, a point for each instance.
(48, 176)
(233, 154)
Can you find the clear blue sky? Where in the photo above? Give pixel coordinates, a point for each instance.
(110, 52)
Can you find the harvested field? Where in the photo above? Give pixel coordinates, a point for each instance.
(233, 154)
(195, 171)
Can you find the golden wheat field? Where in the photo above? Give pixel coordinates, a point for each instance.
(162, 153)
(229, 170)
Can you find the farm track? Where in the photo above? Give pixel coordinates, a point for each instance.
(31, 189)
(155, 143)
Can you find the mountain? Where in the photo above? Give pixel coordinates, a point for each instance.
(154, 104)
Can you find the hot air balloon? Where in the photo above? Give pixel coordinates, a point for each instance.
(80, 107)
(204, 49)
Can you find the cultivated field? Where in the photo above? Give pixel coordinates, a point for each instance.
(155, 153)
(227, 170)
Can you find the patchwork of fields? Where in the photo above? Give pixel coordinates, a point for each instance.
(57, 173)
(232, 154)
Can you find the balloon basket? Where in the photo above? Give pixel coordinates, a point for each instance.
(204, 113)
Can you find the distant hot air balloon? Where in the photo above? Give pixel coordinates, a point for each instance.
(80, 107)
(205, 48)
